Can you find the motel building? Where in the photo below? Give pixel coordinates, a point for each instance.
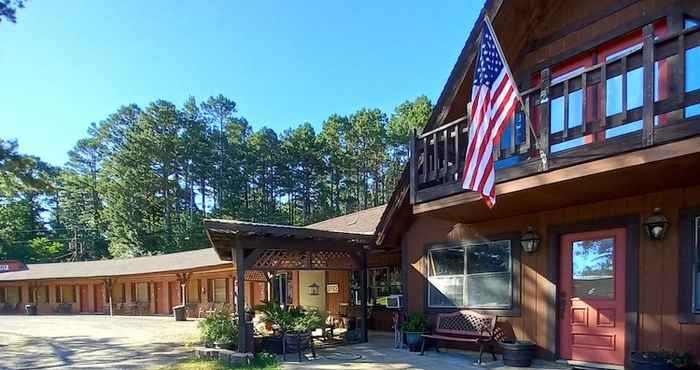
(591, 251)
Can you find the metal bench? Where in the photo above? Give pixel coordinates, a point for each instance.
(466, 327)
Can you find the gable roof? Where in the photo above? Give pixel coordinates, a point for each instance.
(361, 222)
(119, 267)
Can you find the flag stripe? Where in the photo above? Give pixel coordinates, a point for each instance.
(494, 100)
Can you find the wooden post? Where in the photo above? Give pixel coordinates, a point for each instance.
(108, 291)
(648, 89)
(363, 295)
(239, 259)
(544, 117)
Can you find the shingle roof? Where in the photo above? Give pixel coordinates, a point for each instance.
(119, 267)
(362, 222)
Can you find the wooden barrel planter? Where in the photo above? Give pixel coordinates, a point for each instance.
(517, 353)
(298, 343)
(272, 344)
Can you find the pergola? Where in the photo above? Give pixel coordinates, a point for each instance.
(266, 248)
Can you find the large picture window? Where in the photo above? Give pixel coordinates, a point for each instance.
(478, 275)
(689, 266)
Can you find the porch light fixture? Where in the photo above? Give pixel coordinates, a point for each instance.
(656, 225)
(314, 289)
(530, 240)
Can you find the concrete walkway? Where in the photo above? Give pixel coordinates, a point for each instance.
(92, 342)
(380, 354)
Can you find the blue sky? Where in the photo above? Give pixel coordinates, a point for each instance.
(68, 63)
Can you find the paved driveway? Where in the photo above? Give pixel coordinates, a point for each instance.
(91, 341)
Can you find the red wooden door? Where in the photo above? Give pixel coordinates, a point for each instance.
(162, 303)
(84, 305)
(99, 297)
(592, 297)
(174, 296)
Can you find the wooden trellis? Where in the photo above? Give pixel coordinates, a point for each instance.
(285, 259)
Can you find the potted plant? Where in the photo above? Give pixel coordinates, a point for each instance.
(218, 329)
(297, 337)
(660, 360)
(278, 319)
(413, 328)
(517, 353)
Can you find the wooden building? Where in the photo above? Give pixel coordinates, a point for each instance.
(613, 91)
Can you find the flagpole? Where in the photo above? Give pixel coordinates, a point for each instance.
(528, 122)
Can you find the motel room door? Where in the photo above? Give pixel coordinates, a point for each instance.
(161, 301)
(592, 297)
(84, 303)
(99, 296)
(174, 296)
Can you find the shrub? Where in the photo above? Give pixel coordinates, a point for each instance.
(416, 323)
(290, 319)
(218, 327)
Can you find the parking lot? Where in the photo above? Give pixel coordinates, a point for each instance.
(92, 341)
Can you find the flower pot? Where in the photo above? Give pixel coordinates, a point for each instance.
(517, 353)
(272, 344)
(414, 340)
(225, 345)
(639, 362)
(30, 309)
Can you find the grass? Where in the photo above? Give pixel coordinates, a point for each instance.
(216, 365)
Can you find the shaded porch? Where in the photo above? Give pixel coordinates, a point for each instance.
(269, 248)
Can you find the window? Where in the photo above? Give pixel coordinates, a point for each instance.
(142, 295)
(12, 295)
(42, 294)
(193, 291)
(282, 292)
(67, 294)
(381, 283)
(219, 286)
(476, 275)
(118, 295)
(689, 266)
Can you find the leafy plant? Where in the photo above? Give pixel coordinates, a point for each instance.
(290, 319)
(416, 323)
(675, 359)
(218, 327)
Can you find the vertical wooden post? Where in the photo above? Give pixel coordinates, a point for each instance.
(412, 164)
(648, 103)
(544, 116)
(239, 258)
(363, 294)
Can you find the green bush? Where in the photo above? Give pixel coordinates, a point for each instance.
(416, 323)
(290, 319)
(218, 327)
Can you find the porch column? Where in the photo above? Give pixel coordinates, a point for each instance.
(108, 291)
(239, 258)
(363, 295)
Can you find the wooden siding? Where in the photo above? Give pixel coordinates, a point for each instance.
(658, 325)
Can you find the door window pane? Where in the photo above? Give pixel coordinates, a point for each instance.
(593, 268)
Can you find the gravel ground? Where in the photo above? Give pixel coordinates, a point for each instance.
(92, 342)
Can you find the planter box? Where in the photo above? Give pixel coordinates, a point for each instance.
(517, 353)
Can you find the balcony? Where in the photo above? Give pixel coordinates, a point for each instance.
(647, 95)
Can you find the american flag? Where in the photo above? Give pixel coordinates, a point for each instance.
(494, 99)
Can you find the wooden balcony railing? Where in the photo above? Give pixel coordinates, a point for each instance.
(646, 95)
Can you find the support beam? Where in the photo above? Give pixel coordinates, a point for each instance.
(239, 258)
(363, 295)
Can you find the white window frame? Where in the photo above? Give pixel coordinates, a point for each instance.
(465, 285)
